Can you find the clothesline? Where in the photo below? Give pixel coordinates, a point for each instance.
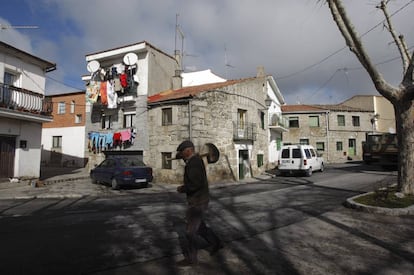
(99, 141)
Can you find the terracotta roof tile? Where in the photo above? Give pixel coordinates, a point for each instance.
(320, 108)
(301, 108)
(191, 91)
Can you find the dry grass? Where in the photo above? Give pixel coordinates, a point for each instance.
(385, 197)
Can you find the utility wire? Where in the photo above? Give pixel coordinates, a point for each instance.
(67, 85)
(341, 49)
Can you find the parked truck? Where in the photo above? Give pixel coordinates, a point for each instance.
(381, 149)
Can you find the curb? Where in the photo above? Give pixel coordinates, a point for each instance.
(47, 182)
(350, 203)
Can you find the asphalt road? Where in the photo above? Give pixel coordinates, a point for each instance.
(284, 225)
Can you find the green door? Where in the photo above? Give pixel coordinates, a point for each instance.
(351, 147)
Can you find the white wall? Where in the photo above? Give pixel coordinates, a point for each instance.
(73, 140)
(31, 77)
(27, 160)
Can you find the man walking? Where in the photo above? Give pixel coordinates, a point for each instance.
(196, 188)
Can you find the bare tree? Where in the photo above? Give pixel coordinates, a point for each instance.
(401, 97)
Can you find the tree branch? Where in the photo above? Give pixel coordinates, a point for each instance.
(409, 74)
(354, 43)
(399, 40)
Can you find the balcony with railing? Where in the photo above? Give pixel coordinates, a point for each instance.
(24, 101)
(244, 131)
(278, 123)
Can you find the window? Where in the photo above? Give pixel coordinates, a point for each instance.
(166, 116)
(166, 160)
(61, 107)
(308, 154)
(355, 121)
(57, 142)
(10, 79)
(285, 154)
(78, 118)
(320, 146)
(259, 160)
(241, 118)
(294, 122)
(129, 120)
(296, 154)
(313, 121)
(339, 146)
(341, 120)
(72, 107)
(108, 163)
(304, 141)
(262, 120)
(106, 121)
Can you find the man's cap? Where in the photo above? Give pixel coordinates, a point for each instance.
(185, 144)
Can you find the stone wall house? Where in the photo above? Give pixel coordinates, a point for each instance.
(63, 139)
(336, 131)
(231, 114)
(23, 109)
(383, 119)
(117, 89)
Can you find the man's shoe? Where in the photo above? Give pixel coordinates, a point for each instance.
(186, 262)
(216, 248)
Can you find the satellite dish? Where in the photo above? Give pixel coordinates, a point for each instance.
(93, 66)
(130, 59)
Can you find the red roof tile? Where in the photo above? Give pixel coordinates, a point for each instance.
(320, 108)
(191, 91)
(301, 108)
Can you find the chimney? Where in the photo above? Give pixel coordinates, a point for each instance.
(177, 80)
(260, 72)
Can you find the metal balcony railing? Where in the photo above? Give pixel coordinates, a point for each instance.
(244, 131)
(23, 100)
(279, 121)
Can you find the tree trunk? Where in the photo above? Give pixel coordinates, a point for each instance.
(404, 115)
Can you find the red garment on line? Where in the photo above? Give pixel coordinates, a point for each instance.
(104, 95)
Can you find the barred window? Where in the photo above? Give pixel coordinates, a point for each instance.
(57, 142)
(166, 162)
(341, 120)
(339, 146)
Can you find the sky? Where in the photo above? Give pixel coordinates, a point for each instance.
(296, 41)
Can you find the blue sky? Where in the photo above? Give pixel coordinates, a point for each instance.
(290, 38)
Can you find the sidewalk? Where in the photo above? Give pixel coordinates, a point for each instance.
(63, 183)
(57, 182)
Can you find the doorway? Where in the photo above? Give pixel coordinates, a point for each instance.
(244, 164)
(7, 153)
(351, 147)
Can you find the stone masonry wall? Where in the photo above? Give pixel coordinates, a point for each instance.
(212, 117)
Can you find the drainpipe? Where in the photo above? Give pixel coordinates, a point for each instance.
(327, 135)
(190, 121)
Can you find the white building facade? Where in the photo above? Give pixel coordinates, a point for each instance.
(23, 109)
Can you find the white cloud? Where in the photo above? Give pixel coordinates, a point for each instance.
(284, 36)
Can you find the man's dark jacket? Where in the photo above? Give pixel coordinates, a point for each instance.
(195, 181)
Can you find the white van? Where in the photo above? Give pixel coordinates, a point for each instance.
(299, 158)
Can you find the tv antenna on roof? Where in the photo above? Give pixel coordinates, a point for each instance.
(179, 32)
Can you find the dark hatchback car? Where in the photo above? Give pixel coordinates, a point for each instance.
(119, 171)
